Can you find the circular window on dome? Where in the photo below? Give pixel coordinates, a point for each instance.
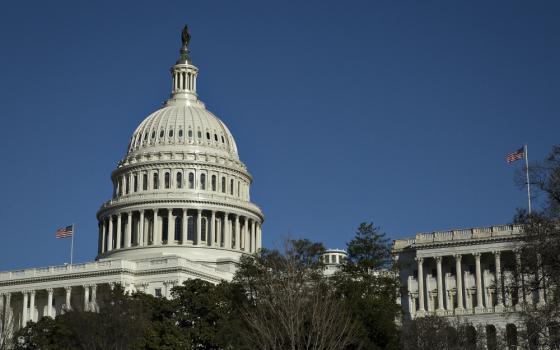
(170, 132)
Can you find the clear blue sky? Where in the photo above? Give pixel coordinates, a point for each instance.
(396, 112)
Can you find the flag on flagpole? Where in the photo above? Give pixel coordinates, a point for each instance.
(519, 154)
(65, 232)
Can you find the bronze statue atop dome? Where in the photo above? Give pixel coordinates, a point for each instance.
(185, 36)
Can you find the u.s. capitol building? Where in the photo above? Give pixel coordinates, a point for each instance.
(180, 209)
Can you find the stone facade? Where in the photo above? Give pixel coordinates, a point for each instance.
(465, 273)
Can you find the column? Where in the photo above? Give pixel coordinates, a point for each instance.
(86, 297)
(520, 295)
(68, 298)
(119, 228)
(259, 237)
(227, 231)
(498, 280)
(459, 282)
(439, 284)
(170, 227)
(157, 229)
(212, 238)
(128, 233)
(141, 229)
(110, 235)
(185, 227)
(198, 226)
(93, 304)
(24, 311)
(50, 292)
(8, 310)
(32, 306)
(479, 305)
(246, 242)
(237, 234)
(103, 237)
(421, 309)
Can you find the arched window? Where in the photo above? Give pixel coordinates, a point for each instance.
(191, 180)
(203, 229)
(207, 135)
(223, 184)
(179, 180)
(127, 185)
(153, 134)
(202, 181)
(213, 182)
(471, 337)
(120, 186)
(135, 183)
(223, 141)
(215, 137)
(145, 136)
(156, 181)
(165, 228)
(167, 180)
(145, 182)
(180, 132)
(511, 336)
(190, 133)
(199, 134)
(231, 186)
(491, 341)
(161, 133)
(190, 228)
(170, 132)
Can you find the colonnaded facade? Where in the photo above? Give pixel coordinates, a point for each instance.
(467, 274)
(180, 209)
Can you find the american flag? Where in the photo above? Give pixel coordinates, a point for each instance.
(519, 154)
(65, 232)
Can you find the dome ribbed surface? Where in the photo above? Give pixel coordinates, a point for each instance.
(180, 126)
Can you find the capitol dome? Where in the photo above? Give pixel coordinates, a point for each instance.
(181, 188)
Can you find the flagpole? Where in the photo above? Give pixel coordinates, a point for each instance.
(527, 174)
(72, 244)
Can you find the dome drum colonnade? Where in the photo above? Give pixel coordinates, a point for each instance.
(181, 183)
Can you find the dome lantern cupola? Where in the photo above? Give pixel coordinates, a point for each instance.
(183, 73)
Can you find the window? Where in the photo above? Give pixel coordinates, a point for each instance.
(145, 136)
(223, 141)
(203, 230)
(190, 133)
(180, 132)
(156, 181)
(208, 136)
(120, 186)
(178, 228)
(199, 134)
(170, 133)
(167, 180)
(179, 180)
(231, 187)
(202, 181)
(157, 292)
(161, 132)
(135, 183)
(127, 186)
(165, 234)
(191, 181)
(213, 182)
(223, 185)
(153, 134)
(145, 182)
(215, 137)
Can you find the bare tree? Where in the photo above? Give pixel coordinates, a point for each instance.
(6, 328)
(291, 304)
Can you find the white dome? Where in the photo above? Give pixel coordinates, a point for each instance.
(183, 127)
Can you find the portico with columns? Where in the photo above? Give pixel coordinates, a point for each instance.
(466, 273)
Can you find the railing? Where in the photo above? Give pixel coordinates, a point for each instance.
(458, 235)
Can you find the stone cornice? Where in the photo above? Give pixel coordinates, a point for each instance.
(155, 203)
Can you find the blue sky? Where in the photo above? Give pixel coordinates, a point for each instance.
(396, 112)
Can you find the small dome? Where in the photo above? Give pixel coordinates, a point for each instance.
(183, 125)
